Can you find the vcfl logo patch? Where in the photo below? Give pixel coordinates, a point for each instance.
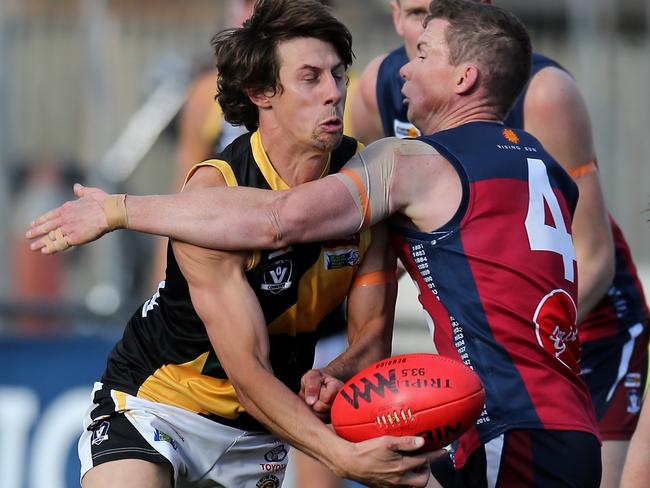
(277, 277)
(101, 433)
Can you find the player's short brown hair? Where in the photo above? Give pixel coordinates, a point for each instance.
(494, 38)
(246, 57)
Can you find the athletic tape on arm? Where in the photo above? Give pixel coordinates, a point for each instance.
(114, 207)
(368, 175)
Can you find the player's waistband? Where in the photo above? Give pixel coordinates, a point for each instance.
(111, 399)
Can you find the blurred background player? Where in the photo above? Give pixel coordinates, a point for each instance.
(376, 105)
(613, 314)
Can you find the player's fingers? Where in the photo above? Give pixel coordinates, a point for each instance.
(405, 443)
(55, 241)
(329, 390)
(437, 455)
(43, 227)
(37, 244)
(311, 384)
(43, 224)
(418, 476)
(321, 407)
(79, 190)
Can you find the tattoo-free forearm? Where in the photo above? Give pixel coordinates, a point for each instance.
(247, 218)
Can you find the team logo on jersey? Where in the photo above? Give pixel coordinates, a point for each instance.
(633, 402)
(277, 277)
(268, 481)
(341, 258)
(100, 434)
(404, 129)
(555, 327)
(277, 454)
(511, 136)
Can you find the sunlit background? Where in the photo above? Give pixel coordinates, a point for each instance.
(90, 91)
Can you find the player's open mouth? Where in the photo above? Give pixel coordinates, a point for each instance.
(333, 124)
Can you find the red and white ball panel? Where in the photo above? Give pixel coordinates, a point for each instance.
(435, 397)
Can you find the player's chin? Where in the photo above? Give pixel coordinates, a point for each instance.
(328, 141)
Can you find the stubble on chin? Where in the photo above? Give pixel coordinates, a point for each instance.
(327, 141)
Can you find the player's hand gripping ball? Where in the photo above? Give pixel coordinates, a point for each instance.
(427, 395)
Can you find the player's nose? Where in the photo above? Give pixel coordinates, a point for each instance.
(334, 90)
(405, 71)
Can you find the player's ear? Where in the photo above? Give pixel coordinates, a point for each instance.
(259, 98)
(466, 78)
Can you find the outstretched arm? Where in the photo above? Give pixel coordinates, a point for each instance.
(217, 218)
(241, 218)
(391, 175)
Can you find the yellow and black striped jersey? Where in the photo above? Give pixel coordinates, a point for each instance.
(165, 354)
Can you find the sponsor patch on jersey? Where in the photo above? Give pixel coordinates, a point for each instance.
(633, 380)
(268, 481)
(100, 434)
(277, 276)
(277, 454)
(404, 129)
(341, 258)
(162, 437)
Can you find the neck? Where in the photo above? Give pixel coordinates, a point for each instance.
(295, 163)
(480, 110)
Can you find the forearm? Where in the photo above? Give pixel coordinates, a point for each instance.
(247, 218)
(215, 218)
(357, 357)
(287, 416)
(595, 278)
(594, 244)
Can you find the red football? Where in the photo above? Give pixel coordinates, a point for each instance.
(413, 394)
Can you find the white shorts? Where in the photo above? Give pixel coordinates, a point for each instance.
(202, 452)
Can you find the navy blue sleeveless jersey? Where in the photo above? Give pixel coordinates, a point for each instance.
(389, 96)
(624, 304)
(499, 283)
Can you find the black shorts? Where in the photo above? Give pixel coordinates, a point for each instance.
(527, 459)
(124, 441)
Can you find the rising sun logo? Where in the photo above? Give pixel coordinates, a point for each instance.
(511, 136)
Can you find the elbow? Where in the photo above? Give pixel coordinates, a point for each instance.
(284, 223)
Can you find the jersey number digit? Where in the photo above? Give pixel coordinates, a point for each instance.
(541, 236)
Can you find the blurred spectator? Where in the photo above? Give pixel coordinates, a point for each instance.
(36, 280)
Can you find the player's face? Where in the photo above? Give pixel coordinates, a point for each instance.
(408, 16)
(429, 78)
(309, 105)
